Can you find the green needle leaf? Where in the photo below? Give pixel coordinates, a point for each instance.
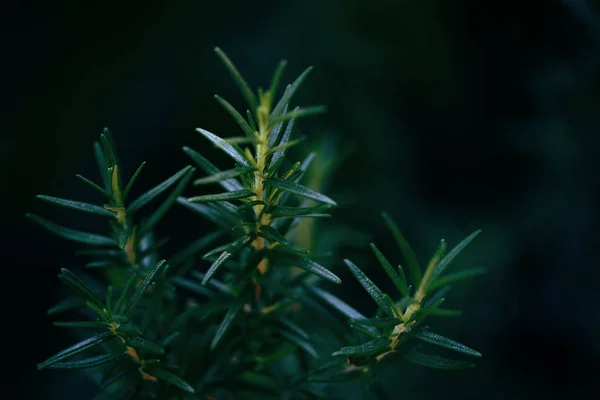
(161, 211)
(289, 93)
(77, 205)
(133, 179)
(338, 304)
(306, 264)
(272, 234)
(442, 341)
(276, 78)
(411, 259)
(156, 191)
(437, 362)
(225, 325)
(465, 274)
(85, 363)
(399, 280)
(440, 312)
(379, 322)
(146, 345)
(102, 166)
(234, 195)
(229, 149)
(93, 185)
(72, 234)
(453, 253)
(371, 348)
(298, 189)
(233, 248)
(237, 117)
(299, 112)
(300, 342)
(79, 287)
(80, 324)
(371, 288)
(224, 175)
(209, 168)
(141, 289)
(171, 378)
(239, 80)
(77, 348)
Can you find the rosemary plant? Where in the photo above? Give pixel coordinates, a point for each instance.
(229, 315)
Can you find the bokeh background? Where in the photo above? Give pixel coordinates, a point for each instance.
(450, 115)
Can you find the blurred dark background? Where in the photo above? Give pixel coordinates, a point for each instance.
(453, 116)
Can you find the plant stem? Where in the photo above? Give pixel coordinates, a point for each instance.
(262, 147)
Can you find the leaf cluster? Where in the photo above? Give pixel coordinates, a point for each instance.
(227, 314)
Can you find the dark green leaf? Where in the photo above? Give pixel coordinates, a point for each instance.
(146, 345)
(292, 327)
(280, 145)
(234, 195)
(224, 175)
(85, 363)
(79, 206)
(156, 191)
(299, 112)
(465, 274)
(102, 166)
(68, 304)
(453, 253)
(171, 378)
(337, 303)
(273, 234)
(239, 80)
(398, 280)
(291, 249)
(371, 348)
(441, 312)
(251, 120)
(289, 93)
(133, 278)
(77, 348)
(109, 148)
(191, 286)
(236, 116)
(143, 286)
(442, 341)
(437, 362)
(414, 269)
(300, 342)
(129, 330)
(93, 185)
(160, 212)
(133, 179)
(229, 149)
(306, 264)
(79, 287)
(232, 249)
(194, 248)
(283, 211)
(279, 150)
(80, 324)
(210, 169)
(276, 78)
(72, 234)
(378, 322)
(208, 212)
(298, 189)
(108, 378)
(371, 288)
(225, 325)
